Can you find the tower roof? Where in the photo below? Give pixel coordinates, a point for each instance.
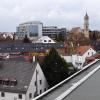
(86, 16)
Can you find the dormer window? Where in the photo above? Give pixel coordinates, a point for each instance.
(8, 48)
(23, 48)
(45, 41)
(13, 82)
(0, 81)
(6, 81)
(49, 40)
(16, 48)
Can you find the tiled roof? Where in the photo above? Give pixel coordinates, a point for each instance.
(76, 30)
(28, 47)
(82, 49)
(21, 71)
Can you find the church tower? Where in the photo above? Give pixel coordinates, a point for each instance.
(86, 26)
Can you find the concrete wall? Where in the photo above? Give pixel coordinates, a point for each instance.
(68, 58)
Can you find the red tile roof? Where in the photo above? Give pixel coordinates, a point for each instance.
(76, 30)
(82, 49)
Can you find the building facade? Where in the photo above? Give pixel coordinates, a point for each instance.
(45, 39)
(21, 80)
(86, 25)
(53, 32)
(32, 29)
(82, 53)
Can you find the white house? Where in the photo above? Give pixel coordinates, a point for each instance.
(79, 58)
(21, 80)
(85, 51)
(76, 60)
(45, 39)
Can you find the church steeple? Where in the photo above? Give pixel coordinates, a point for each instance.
(86, 25)
(86, 17)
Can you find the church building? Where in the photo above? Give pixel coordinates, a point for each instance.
(86, 26)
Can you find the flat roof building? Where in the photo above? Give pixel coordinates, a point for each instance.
(32, 29)
(53, 31)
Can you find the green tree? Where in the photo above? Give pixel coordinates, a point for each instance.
(26, 39)
(93, 37)
(55, 68)
(59, 38)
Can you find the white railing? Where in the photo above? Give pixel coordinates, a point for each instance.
(75, 85)
(51, 89)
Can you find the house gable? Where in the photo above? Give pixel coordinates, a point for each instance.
(42, 84)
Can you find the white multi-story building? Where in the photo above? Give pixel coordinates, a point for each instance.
(21, 80)
(32, 29)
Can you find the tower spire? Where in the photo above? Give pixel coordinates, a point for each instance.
(86, 25)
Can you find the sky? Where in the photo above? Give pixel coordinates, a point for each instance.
(61, 13)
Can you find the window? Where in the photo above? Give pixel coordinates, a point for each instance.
(49, 40)
(30, 95)
(40, 91)
(0, 81)
(33, 30)
(35, 83)
(6, 82)
(40, 81)
(92, 53)
(13, 82)
(2, 94)
(45, 41)
(22, 47)
(44, 89)
(16, 48)
(20, 96)
(35, 94)
(8, 48)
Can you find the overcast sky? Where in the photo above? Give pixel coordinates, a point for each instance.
(62, 13)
